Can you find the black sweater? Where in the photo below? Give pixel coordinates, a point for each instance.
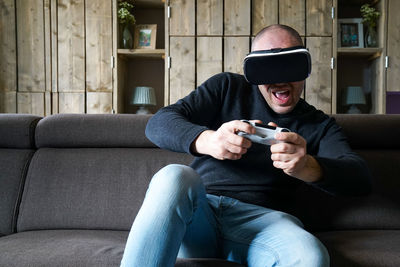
(253, 178)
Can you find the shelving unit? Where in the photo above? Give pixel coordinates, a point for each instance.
(140, 67)
(363, 67)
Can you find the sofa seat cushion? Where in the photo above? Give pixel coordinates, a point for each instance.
(367, 248)
(63, 248)
(97, 248)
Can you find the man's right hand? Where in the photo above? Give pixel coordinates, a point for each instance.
(224, 143)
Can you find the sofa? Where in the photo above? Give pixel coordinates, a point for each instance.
(71, 185)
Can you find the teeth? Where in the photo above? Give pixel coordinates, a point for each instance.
(280, 92)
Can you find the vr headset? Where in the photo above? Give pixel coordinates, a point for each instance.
(278, 65)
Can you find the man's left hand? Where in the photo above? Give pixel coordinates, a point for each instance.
(291, 156)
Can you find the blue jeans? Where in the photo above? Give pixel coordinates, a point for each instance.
(178, 218)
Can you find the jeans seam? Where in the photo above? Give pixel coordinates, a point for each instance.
(255, 244)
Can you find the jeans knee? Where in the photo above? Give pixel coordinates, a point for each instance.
(175, 180)
(314, 253)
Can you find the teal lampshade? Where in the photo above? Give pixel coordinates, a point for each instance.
(143, 96)
(354, 96)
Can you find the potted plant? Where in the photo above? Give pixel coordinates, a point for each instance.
(126, 20)
(369, 17)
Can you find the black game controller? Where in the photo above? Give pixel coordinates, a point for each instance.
(265, 134)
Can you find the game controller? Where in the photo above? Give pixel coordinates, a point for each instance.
(265, 134)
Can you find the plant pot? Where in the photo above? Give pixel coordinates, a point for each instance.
(371, 37)
(126, 37)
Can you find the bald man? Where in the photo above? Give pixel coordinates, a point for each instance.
(234, 201)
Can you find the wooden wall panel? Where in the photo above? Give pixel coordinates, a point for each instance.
(393, 51)
(209, 58)
(319, 18)
(265, 13)
(71, 102)
(31, 102)
(54, 46)
(182, 71)
(210, 17)
(30, 36)
(235, 49)
(99, 102)
(8, 102)
(54, 103)
(47, 103)
(8, 62)
(292, 13)
(318, 85)
(237, 17)
(47, 45)
(98, 46)
(71, 46)
(182, 21)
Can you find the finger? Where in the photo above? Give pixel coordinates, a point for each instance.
(240, 126)
(281, 157)
(231, 156)
(257, 121)
(239, 141)
(272, 124)
(291, 137)
(235, 149)
(285, 148)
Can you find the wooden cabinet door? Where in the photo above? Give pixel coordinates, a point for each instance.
(182, 20)
(264, 13)
(393, 51)
(182, 69)
(237, 17)
(319, 17)
(235, 50)
(8, 64)
(31, 75)
(292, 13)
(318, 90)
(210, 17)
(98, 56)
(209, 58)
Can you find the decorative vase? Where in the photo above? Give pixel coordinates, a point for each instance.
(127, 39)
(371, 37)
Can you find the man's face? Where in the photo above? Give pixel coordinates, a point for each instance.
(281, 97)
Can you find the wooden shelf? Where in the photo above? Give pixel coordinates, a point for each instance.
(370, 52)
(149, 3)
(142, 53)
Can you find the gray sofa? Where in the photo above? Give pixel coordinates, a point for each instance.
(70, 186)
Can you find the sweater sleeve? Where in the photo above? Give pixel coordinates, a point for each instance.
(176, 126)
(344, 171)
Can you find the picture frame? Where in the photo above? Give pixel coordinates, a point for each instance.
(145, 36)
(351, 33)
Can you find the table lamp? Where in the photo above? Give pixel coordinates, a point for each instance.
(143, 96)
(354, 96)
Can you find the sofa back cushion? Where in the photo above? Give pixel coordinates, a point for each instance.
(89, 188)
(16, 150)
(93, 178)
(93, 130)
(375, 138)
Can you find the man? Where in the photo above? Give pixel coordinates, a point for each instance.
(232, 202)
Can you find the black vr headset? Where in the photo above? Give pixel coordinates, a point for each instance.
(278, 65)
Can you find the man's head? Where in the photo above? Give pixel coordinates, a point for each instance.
(281, 97)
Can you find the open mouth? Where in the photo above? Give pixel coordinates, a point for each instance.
(282, 96)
